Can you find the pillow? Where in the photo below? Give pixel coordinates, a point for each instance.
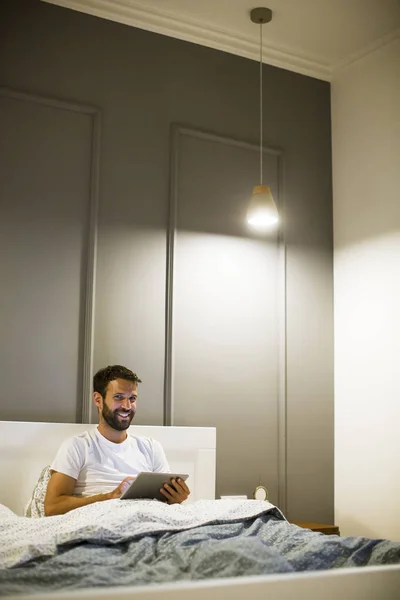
(35, 506)
(5, 512)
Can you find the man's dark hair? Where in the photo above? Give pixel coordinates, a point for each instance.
(104, 376)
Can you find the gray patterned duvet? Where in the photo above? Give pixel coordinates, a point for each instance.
(135, 543)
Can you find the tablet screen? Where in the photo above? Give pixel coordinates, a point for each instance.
(148, 485)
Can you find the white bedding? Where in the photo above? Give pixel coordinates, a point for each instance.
(23, 539)
(125, 545)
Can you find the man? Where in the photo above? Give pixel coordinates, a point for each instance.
(89, 467)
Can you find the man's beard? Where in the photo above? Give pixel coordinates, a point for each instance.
(116, 422)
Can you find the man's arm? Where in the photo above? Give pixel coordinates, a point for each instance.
(60, 499)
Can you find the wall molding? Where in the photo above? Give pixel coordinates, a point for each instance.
(190, 30)
(91, 256)
(128, 13)
(178, 130)
(364, 52)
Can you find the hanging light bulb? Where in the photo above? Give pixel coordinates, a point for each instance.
(262, 212)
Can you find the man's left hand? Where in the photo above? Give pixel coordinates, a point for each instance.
(176, 491)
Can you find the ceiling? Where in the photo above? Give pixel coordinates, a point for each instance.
(312, 37)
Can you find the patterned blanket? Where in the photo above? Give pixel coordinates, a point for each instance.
(111, 522)
(134, 543)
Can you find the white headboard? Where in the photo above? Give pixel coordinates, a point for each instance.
(25, 448)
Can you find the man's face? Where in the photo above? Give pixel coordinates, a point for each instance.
(119, 405)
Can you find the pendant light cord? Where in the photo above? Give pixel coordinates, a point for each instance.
(261, 104)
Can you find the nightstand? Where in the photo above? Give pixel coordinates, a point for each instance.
(326, 529)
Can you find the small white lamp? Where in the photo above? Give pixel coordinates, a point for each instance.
(262, 213)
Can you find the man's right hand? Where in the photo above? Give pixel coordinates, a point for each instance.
(123, 486)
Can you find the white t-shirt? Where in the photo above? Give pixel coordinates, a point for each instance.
(99, 465)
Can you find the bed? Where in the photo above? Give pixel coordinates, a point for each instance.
(136, 549)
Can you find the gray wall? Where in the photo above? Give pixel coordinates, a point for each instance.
(143, 82)
(45, 158)
(227, 308)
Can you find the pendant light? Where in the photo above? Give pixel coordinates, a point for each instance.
(262, 213)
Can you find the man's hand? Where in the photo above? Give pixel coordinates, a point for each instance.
(123, 486)
(175, 492)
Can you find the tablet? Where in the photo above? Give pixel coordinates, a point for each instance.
(148, 485)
